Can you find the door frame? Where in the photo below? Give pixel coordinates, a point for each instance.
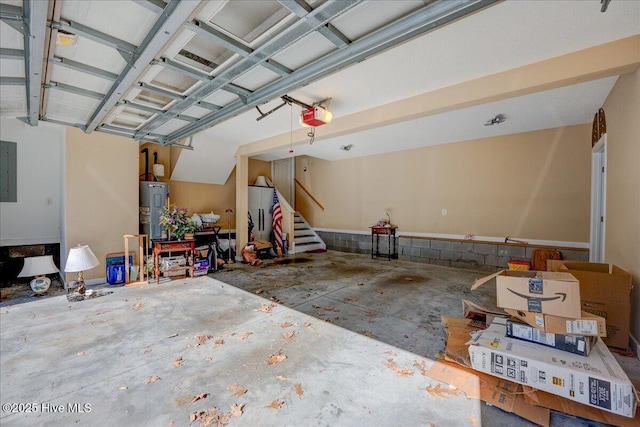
(598, 200)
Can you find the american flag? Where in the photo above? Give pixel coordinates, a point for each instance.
(277, 219)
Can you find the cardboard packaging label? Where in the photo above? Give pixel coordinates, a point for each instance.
(589, 324)
(555, 293)
(577, 344)
(596, 380)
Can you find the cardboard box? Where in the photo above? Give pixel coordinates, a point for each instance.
(589, 324)
(577, 344)
(605, 290)
(596, 380)
(497, 392)
(556, 293)
(557, 403)
(481, 317)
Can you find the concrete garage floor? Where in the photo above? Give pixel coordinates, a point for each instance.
(356, 334)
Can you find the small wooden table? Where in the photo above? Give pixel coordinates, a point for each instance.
(392, 240)
(188, 246)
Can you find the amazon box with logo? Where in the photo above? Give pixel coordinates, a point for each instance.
(547, 292)
(596, 380)
(605, 290)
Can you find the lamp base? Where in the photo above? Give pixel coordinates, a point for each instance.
(40, 284)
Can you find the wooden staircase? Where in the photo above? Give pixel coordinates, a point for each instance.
(304, 237)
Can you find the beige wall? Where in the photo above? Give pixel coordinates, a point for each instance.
(101, 190)
(622, 238)
(533, 185)
(204, 198)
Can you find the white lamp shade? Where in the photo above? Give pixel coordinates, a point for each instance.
(38, 266)
(80, 258)
(261, 181)
(158, 169)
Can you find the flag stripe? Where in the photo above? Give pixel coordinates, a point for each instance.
(277, 219)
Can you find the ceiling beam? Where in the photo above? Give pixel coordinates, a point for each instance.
(126, 132)
(161, 91)
(186, 118)
(293, 33)
(208, 106)
(121, 128)
(12, 81)
(184, 69)
(125, 48)
(142, 107)
(62, 122)
(74, 89)
(417, 23)
(234, 45)
(237, 90)
(170, 21)
(276, 67)
(156, 6)
(6, 53)
(35, 17)
(218, 37)
(301, 8)
(13, 16)
(83, 68)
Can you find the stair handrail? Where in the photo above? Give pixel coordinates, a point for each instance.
(308, 193)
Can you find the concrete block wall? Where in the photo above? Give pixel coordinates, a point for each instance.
(474, 255)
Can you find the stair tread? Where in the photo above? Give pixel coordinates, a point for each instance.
(304, 237)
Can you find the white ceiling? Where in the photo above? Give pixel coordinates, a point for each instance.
(502, 37)
(97, 87)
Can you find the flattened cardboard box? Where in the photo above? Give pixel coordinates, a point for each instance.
(589, 324)
(498, 392)
(605, 290)
(596, 380)
(556, 293)
(577, 344)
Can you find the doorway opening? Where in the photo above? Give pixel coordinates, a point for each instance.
(598, 199)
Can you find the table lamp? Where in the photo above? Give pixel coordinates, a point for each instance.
(80, 258)
(38, 266)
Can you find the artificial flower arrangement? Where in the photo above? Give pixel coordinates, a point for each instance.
(175, 220)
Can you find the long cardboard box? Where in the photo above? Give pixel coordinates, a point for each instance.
(588, 324)
(605, 290)
(577, 344)
(596, 380)
(556, 293)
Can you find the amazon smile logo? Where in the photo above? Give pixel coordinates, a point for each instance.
(559, 295)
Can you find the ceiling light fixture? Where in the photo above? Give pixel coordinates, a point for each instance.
(496, 120)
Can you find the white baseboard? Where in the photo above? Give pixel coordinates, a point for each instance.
(97, 281)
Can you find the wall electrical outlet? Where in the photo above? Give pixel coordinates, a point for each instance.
(444, 212)
(48, 201)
